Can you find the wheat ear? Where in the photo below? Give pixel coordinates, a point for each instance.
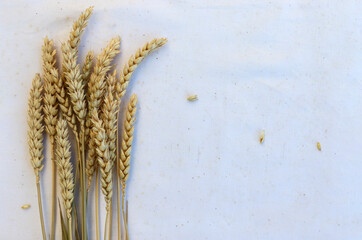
(79, 26)
(50, 112)
(64, 165)
(109, 117)
(127, 138)
(35, 138)
(75, 85)
(96, 89)
(133, 62)
(68, 53)
(50, 81)
(103, 157)
(96, 84)
(126, 146)
(36, 128)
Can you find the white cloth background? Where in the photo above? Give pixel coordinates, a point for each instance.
(292, 68)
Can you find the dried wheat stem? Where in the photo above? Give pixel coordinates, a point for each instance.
(64, 165)
(133, 62)
(35, 138)
(40, 205)
(97, 204)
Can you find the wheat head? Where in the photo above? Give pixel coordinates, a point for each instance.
(79, 26)
(50, 77)
(133, 62)
(75, 86)
(127, 138)
(64, 165)
(95, 93)
(109, 117)
(36, 128)
(70, 55)
(96, 84)
(103, 157)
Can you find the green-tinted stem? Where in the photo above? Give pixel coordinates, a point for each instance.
(123, 209)
(97, 204)
(54, 188)
(40, 208)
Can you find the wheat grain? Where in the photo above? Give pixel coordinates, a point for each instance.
(26, 206)
(103, 157)
(36, 128)
(127, 138)
(64, 165)
(134, 61)
(319, 147)
(192, 98)
(261, 136)
(50, 77)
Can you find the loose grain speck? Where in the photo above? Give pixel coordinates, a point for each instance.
(261, 136)
(192, 98)
(26, 206)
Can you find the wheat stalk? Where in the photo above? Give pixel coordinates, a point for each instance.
(64, 165)
(126, 146)
(133, 62)
(50, 111)
(109, 117)
(35, 137)
(76, 91)
(103, 157)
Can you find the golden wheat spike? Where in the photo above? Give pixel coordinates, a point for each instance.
(127, 138)
(133, 62)
(64, 165)
(36, 128)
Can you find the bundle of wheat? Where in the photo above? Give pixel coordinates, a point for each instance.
(87, 99)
